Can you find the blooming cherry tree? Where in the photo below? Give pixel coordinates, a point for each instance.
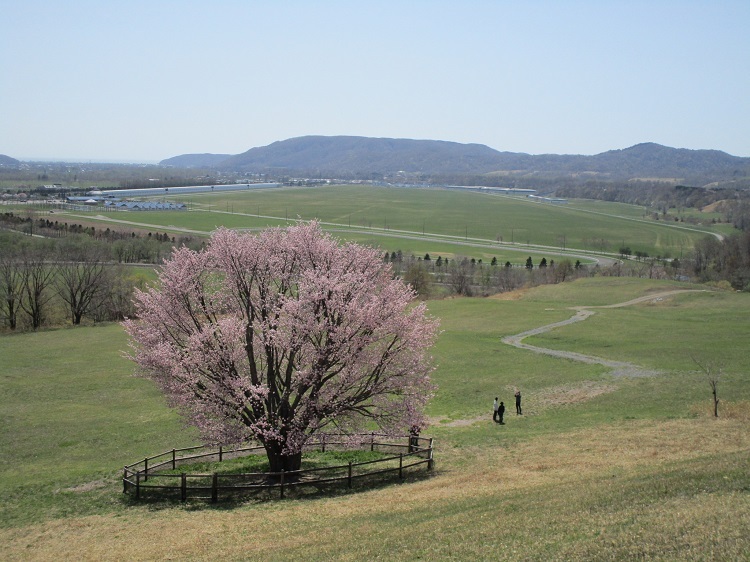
(279, 335)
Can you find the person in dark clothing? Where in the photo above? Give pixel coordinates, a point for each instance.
(414, 438)
(501, 412)
(518, 403)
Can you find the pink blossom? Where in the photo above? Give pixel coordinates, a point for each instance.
(279, 335)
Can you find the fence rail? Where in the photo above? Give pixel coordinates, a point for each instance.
(148, 476)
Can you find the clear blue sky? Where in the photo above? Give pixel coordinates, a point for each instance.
(146, 80)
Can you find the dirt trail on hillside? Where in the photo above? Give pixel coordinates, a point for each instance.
(619, 368)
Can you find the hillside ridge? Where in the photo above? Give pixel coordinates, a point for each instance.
(372, 158)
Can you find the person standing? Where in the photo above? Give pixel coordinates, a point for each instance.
(518, 402)
(494, 410)
(501, 412)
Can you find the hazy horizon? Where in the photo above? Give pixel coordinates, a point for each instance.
(139, 82)
(156, 162)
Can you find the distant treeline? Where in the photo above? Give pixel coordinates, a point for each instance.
(723, 260)
(733, 204)
(436, 276)
(33, 175)
(123, 246)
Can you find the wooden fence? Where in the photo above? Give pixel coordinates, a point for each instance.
(148, 477)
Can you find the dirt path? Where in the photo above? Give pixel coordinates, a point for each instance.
(619, 368)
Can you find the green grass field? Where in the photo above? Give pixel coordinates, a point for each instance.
(597, 468)
(432, 216)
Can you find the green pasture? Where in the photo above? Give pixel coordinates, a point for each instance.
(202, 223)
(436, 213)
(597, 467)
(666, 334)
(610, 208)
(71, 414)
(661, 335)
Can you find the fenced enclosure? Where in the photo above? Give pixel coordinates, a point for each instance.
(157, 476)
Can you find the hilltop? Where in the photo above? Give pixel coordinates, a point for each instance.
(195, 160)
(9, 162)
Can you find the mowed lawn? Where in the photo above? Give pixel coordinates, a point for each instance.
(597, 468)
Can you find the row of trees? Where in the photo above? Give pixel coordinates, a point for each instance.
(718, 261)
(471, 277)
(79, 276)
(122, 246)
(43, 280)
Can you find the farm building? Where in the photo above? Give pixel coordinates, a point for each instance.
(145, 206)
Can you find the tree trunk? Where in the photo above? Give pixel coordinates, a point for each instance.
(278, 461)
(716, 404)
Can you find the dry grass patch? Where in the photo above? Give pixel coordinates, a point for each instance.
(88, 486)
(563, 395)
(516, 295)
(739, 410)
(457, 514)
(540, 400)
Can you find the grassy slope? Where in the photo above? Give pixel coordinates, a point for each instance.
(72, 415)
(598, 468)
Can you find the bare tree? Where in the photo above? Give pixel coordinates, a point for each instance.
(713, 376)
(115, 300)
(461, 276)
(37, 279)
(81, 276)
(11, 282)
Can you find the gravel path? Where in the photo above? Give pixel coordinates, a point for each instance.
(619, 368)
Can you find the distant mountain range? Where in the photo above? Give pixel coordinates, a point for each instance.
(349, 157)
(363, 157)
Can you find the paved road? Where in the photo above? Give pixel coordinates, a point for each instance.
(619, 368)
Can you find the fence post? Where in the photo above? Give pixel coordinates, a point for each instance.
(125, 480)
(323, 443)
(221, 453)
(215, 488)
(430, 462)
(183, 487)
(174, 459)
(372, 441)
(349, 479)
(137, 485)
(145, 469)
(282, 483)
(401, 466)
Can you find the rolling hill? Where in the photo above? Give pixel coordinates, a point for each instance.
(8, 162)
(363, 157)
(195, 160)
